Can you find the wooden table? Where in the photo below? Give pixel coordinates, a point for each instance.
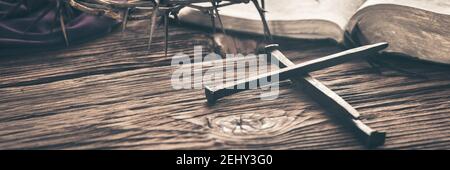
(111, 93)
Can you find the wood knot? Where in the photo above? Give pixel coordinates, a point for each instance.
(250, 125)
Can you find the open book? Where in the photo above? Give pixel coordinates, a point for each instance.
(413, 28)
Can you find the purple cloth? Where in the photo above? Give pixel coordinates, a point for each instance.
(13, 27)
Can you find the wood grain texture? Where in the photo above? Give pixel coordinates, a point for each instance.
(112, 94)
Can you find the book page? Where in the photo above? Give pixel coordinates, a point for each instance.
(301, 19)
(437, 6)
(416, 29)
(338, 12)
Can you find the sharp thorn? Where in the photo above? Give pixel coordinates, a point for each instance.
(218, 17)
(153, 25)
(267, 34)
(221, 24)
(166, 36)
(63, 28)
(125, 20)
(213, 25)
(213, 22)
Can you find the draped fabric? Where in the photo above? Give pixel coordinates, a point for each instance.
(19, 29)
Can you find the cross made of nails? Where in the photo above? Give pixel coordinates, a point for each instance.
(299, 74)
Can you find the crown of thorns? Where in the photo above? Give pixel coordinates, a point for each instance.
(158, 10)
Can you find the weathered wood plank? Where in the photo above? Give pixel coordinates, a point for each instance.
(112, 94)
